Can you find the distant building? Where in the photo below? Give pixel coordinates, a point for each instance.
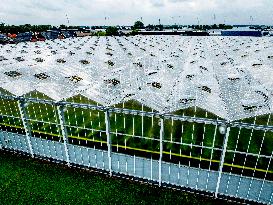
(214, 32)
(183, 33)
(51, 34)
(23, 37)
(3, 39)
(242, 33)
(63, 33)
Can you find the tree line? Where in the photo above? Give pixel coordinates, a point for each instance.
(4, 28)
(109, 30)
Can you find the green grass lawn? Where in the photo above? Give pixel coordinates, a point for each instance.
(28, 181)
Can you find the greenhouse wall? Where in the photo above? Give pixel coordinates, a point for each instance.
(183, 149)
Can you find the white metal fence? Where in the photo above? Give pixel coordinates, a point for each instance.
(182, 149)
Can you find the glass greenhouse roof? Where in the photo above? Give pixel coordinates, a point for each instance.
(231, 77)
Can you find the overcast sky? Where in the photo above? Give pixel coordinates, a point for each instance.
(126, 12)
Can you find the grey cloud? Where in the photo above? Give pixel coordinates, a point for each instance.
(179, 1)
(92, 12)
(157, 3)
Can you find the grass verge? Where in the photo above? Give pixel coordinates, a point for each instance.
(29, 181)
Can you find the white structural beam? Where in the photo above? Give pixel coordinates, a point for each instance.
(109, 141)
(161, 151)
(225, 131)
(22, 109)
(60, 109)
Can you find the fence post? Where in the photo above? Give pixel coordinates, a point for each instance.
(225, 131)
(22, 105)
(160, 151)
(60, 109)
(109, 142)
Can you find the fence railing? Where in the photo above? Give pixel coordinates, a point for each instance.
(191, 149)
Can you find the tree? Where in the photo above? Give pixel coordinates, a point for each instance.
(111, 31)
(174, 26)
(138, 25)
(159, 27)
(62, 26)
(150, 27)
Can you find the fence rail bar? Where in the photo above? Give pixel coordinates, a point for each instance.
(145, 113)
(60, 110)
(22, 109)
(160, 151)
(222, 161)
(136, 136)
(109, 141)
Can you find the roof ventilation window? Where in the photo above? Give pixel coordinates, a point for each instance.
(190, 77)
(61, 60)
(205, 88)
(203, 68)
(251, 108)
(257, 64)
(38, 52)
(42, 76)
(170, 66)
(2, 58)
(233, 79)
(155, 85)
(110, 63)
(224, 63)
(109, 54)
(138, 64)
(13, 74)
(39, 60)
(152, 73)
(129, 95)
(108, 48)
(84, 62)
(112, 81)
(19, 59)
(74, 78)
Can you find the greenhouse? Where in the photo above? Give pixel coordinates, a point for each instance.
(191, 112)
